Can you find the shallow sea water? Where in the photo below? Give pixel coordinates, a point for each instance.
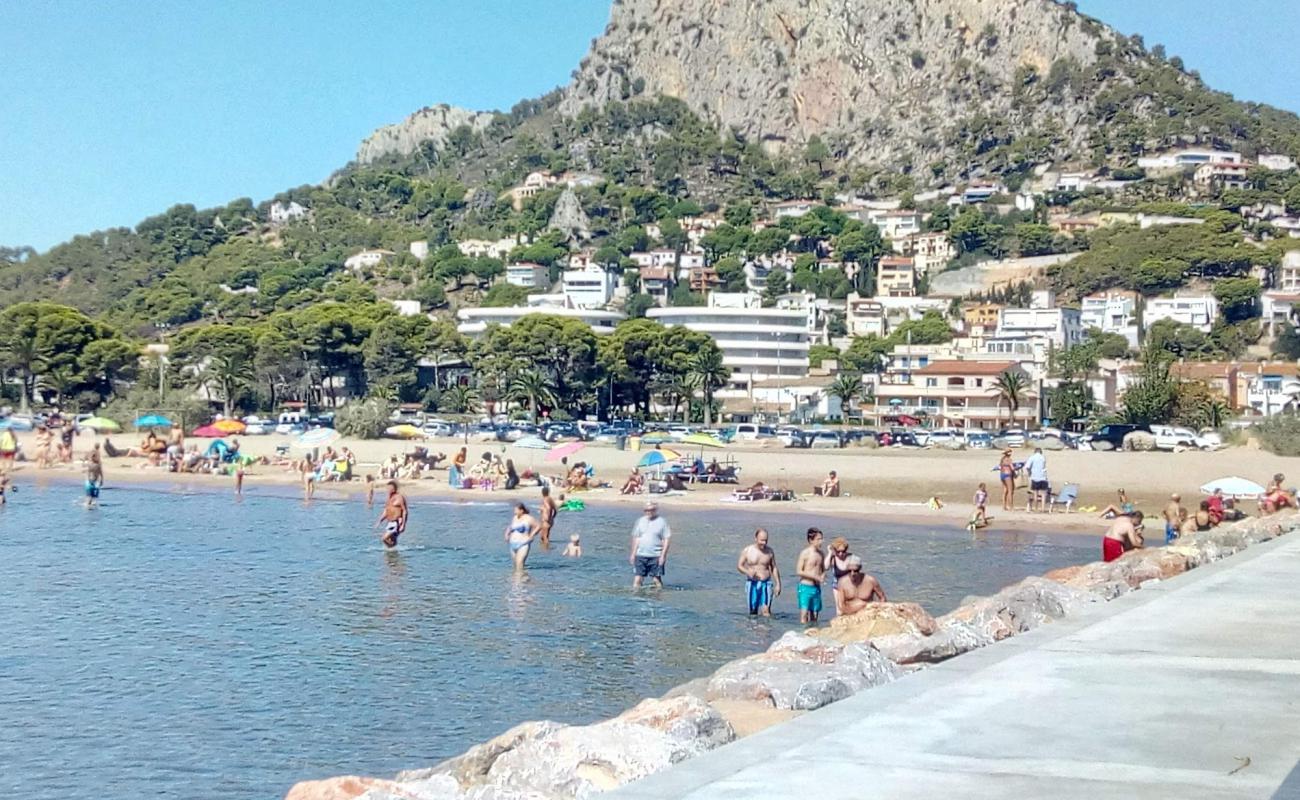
(191, 645)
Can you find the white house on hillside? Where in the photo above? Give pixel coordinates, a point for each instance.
(1199, 312)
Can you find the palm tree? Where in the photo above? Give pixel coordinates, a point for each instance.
(1010, 388)
(459, 399)
(847, 387)
(676, 389)
(533, 387)
(706, 370)
(230, 375)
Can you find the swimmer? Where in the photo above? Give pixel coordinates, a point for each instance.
(394, 516)
(239, 481)
(811, 568)
(370, 490)
(94, 476)
(856, 590)
(763, 580)
(549, 512)
(574, 550)
(520, 533)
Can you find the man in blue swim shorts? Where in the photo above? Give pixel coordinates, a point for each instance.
(812, 571)
(763, 580)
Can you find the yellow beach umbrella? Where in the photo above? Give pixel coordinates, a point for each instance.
(229, 426)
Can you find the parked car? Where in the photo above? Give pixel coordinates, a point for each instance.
(1169, 437)
(827, 439)
(287, 421)
(1012, 437)
(555, 431)
(19, 422)
(1111, 437)
(903, 438)
(856, 435)
(944, 438)
(792, 437)
(749, 432)
(979, 440)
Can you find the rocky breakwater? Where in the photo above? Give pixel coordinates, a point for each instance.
(798, 673)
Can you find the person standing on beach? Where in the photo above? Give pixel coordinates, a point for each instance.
(1007, 473)
(520, 534)
(1039, 486)
(1125, 534)
(811, 568)
(66, 433)
(650, 540)
(758, 564)
(394, 515)
(548, 513)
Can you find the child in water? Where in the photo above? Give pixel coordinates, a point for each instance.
(574, 550)
(980, 518)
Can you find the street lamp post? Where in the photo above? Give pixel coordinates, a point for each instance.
(159, 351)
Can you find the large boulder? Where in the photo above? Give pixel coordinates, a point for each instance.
(950, 639)
(472, 766)
(878, 619)
(344, 787)
(1019, 608)
(1162, 562)
(579, 761)
(802, 672)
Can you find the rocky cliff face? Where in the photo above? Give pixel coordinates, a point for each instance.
(431, 125)
(890, 78)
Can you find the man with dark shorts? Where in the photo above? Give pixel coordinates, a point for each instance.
(650, 539)
(548, 511)
(763, 580)
(394, 516)
(811, 568)
(1039, 486)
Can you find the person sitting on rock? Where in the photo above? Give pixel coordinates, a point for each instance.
(856, 590)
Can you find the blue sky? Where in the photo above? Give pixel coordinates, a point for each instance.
(115, 111)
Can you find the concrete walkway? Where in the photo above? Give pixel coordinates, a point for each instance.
(1161, 693)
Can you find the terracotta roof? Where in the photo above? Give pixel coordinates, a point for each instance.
(656, 273)
(966, 368)
(1203, 370)
(895, 261)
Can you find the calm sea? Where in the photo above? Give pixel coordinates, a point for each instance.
(188, 645)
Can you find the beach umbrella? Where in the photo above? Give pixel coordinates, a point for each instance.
(654, 458)
(316, 437)
(702, 440)
(153, 421)
(404, 432)
(229, 426)
(532, 443)
(207, 432)
(1234, 487)
(101, 425)
(564, 450)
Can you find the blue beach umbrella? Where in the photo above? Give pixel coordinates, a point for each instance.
(316, 437)
(153, 421)
(656, 457)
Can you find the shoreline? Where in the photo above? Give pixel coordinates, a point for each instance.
(712, 498)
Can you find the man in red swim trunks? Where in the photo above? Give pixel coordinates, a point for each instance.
(1125, 534)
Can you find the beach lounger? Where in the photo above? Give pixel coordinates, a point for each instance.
(1068, 497)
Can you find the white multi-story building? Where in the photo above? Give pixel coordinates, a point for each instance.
(1223, 174)
(1190, 157)
(865, 316)
(1276, 163)
(1110, 313)
(931, 252)
(367, 259)
(284, 213)
(479, 248)
(957, 393)
(1059, 326)
(757, 343)
(1288, 272)
(528, 275)
(419, 249)
(896, 224)
(589, 287)
(1278, 310)
(661, 257)
(474, 321)
(1199, 312)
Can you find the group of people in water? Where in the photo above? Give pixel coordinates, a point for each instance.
(851, 588)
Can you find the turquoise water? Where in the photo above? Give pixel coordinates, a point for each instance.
(179, 645)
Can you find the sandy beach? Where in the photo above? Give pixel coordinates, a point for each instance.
(881, 483)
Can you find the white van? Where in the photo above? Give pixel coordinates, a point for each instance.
(287, 420)
(748, 432)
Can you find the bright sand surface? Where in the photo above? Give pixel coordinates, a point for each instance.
(890, 482)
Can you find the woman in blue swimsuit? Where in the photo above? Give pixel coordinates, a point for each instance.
(520, 533)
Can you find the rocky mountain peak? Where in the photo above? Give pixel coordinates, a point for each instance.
(891, 77)
(432, 125)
